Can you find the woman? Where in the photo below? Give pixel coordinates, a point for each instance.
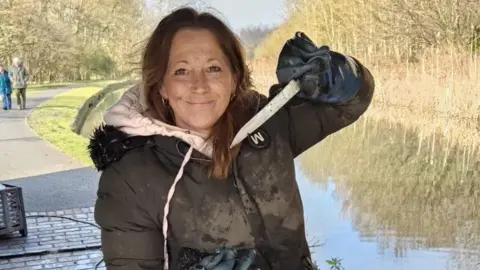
(5, 88)
(172, 192)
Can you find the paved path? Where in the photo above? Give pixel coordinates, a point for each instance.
(50, 180)
(23, 153)
(54, 186)
(54, 243)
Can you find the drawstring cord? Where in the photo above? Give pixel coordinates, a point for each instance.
(167, 206)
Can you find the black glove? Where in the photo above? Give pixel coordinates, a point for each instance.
(226, 259)
(323, 75)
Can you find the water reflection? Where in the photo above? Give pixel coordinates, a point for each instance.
(416, 199)
(381, 196)
(95, 118)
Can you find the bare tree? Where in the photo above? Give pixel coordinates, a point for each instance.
(74, 39)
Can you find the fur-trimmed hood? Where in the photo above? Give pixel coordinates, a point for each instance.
(109, 144)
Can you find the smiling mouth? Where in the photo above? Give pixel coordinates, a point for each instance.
(201, 103)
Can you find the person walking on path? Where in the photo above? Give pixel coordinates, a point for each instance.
(5, 88)
(19, 77)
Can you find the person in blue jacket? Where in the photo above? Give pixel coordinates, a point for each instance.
(5, 88)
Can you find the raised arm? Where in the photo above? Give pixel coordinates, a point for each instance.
(311, 122)
(335, 91)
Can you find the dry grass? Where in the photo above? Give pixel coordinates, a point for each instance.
(423, 80)
(439, 94)
(407, 173)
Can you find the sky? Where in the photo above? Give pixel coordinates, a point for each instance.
(240, 13)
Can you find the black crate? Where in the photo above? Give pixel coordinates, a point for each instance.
(12, 211)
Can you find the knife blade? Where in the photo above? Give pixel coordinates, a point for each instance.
(287, 93)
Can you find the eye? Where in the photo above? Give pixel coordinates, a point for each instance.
(214, 69)
(180, 71)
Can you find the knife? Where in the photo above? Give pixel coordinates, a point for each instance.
(268, 111)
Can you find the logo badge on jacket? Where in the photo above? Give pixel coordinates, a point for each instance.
(259, 139)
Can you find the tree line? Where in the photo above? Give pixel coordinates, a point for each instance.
(67, 40)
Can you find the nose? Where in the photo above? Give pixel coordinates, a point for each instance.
(199, 82)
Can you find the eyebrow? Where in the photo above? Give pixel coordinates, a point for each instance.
(208, 60)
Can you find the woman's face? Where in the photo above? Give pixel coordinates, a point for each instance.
(198, 83)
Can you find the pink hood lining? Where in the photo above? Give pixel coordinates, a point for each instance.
(130, 116)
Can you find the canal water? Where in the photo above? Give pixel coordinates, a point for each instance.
(380, 195)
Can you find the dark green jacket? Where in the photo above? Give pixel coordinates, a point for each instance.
(258, 206)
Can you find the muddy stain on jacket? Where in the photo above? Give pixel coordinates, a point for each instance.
(258, 206)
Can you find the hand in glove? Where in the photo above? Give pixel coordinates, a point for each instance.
(323, 75)
(226, 259)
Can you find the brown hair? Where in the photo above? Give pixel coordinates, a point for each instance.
(154, 65)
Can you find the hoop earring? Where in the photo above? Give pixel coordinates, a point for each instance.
(165, 102)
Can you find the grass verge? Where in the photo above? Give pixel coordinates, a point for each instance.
(33, 89)
(52, 121)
